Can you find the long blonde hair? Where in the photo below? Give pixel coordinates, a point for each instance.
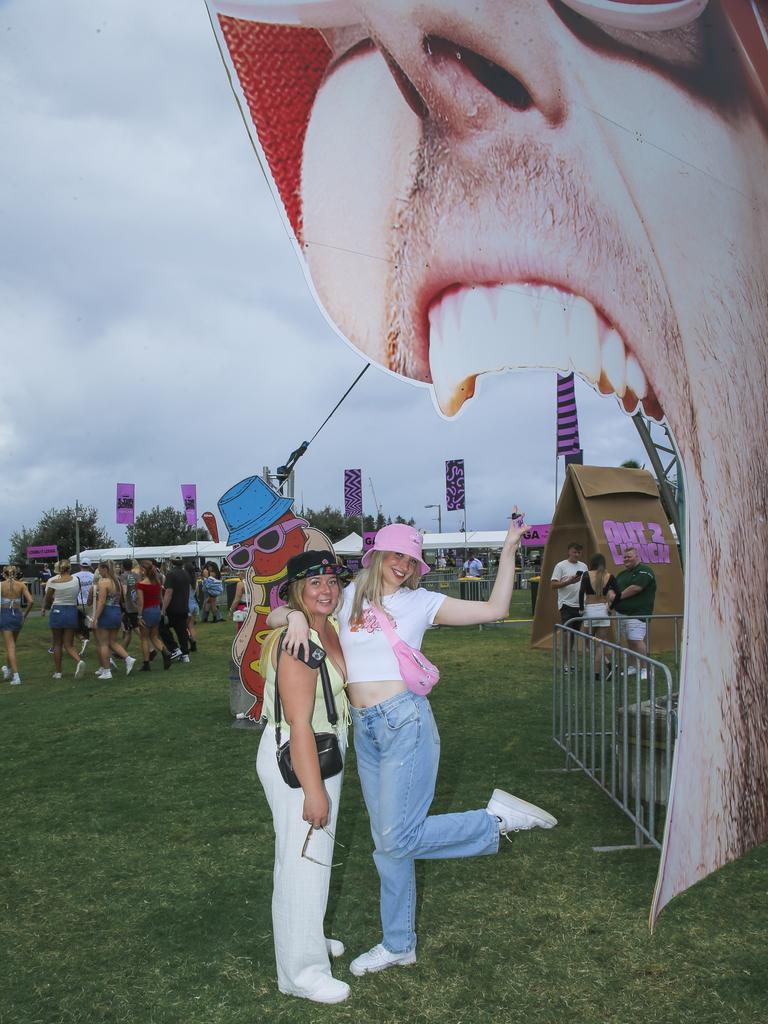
(597, 566)
(368, 586)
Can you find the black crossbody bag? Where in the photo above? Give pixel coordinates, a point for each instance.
(328, 749)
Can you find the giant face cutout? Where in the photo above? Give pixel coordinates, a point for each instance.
(487, 186)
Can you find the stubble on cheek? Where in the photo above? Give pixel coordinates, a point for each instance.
(464, 201)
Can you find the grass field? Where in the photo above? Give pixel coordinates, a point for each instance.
(137, 856)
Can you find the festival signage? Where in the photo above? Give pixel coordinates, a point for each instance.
(44, 551)
(189, 498)
(535, 536)
(353, 492)
(454, 225)
(368, 538)
(454, 484)
(125, 504)
(606, 510)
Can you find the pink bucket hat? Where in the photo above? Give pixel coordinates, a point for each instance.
(405, 540)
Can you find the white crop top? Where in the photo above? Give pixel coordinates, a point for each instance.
(367, 651)
(64, 593)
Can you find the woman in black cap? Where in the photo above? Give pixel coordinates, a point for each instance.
(304, 818)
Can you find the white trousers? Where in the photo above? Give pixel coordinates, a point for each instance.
(300, 887)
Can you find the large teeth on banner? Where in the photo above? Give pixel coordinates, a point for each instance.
(494, 328)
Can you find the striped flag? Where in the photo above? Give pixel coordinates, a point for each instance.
(454, 484)
(567, 417)
(353, 492)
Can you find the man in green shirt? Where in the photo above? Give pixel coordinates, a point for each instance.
(637, 594)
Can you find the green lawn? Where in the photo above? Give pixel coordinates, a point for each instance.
(137, 856)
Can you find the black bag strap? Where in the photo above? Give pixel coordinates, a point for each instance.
(330, 703)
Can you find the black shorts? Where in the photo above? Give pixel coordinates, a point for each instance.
(568, 612)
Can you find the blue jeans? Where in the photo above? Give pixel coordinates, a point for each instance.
(398, 751)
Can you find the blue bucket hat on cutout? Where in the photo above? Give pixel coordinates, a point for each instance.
(250, 507)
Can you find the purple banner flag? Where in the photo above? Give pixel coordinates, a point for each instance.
(454, 484)
(125, 504)
(368, 538)
(189, 497)
(567, 417)
(353, 492)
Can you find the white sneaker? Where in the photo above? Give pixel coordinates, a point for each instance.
(129, 663)
(517, 815)
(106, 674)
(185, 659)
(6, 672)
(643, 673)
(330, 990)
(80, 669)
(56, 675)
(631, 670)
(175, 655)
(16, 680)
(379, 959)
(98, 672)
(335, 948)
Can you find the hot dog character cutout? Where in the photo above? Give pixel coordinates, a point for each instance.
(265, 534)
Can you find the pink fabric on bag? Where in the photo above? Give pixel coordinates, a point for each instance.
(417, 671)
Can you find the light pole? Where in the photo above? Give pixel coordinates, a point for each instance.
(439, 517)
(77, 531)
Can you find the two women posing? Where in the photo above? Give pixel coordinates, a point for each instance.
(396, 743)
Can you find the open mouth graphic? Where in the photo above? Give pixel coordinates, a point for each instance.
(494, 328)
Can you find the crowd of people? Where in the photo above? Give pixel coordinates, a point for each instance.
(106, 605)
(592, 593)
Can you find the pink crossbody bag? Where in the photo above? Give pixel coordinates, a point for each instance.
(418, 672)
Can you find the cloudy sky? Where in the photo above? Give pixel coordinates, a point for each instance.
(155, 324)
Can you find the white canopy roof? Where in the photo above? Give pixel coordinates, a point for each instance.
(199, 549)
(349, 546)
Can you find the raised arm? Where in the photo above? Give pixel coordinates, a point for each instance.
(585, 582)
(28, 600)
(454, 612)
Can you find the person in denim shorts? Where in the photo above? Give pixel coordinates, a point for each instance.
(61, 597)
(107, 620)
(15, 606)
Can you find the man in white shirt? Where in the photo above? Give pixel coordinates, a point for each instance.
(473, 566)
(566, 581)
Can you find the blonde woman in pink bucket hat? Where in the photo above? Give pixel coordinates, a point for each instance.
(396, 739)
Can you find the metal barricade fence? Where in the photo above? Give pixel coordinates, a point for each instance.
(614, 714)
